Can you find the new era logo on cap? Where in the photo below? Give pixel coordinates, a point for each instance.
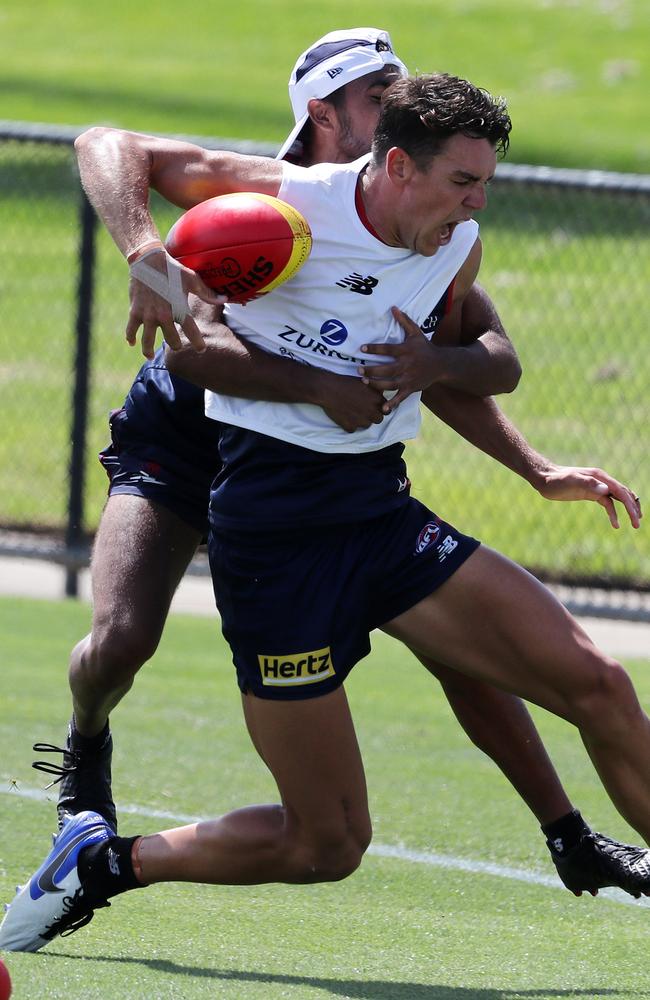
(323, 50)
(332, 62)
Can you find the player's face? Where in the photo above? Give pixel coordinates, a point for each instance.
(450, 191)
(358, 115)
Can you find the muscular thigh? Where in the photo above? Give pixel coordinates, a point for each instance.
(140, 555)
(311, 749)
(494, 621)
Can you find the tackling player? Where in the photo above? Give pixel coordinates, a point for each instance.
(375, 557)
(163, 458)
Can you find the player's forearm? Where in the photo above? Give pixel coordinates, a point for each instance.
(487, 363)
(119, 168)
(114, 170)
(233, 366)
(481, 422)
(486, 367)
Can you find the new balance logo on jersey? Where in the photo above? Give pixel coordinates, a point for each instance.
(357, 283)
(296, 668)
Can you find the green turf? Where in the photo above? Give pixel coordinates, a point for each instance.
(576, 74)
(396, 930)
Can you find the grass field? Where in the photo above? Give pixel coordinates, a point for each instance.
(418, 921)
(576, 73)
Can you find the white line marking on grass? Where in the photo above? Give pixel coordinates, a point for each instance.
(449, 862)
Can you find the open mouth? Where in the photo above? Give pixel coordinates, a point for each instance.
(446, 233)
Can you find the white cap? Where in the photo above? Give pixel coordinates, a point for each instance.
(332, 62)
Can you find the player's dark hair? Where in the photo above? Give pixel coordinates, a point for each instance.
(419, 114)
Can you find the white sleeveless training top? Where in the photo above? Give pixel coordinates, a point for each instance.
(339, 300)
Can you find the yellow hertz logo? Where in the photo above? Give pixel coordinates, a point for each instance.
(296, 668)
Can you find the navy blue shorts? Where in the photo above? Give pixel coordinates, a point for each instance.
(163, 447)
(297, 607)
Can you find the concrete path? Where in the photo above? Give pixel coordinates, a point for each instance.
(36, 578)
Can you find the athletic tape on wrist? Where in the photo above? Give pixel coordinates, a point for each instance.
(169, 286)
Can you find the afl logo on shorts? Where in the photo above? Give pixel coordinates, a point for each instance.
(428, 536)
(333, 332)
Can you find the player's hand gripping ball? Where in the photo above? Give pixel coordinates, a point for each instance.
(5, 982)
(242, 245)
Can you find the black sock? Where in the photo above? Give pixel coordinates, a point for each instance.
(565, 833)
(87, 744)
(108, 867)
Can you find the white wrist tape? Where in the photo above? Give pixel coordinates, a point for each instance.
(169, 286)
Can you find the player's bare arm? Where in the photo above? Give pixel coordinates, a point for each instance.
(118, 169)
(483, 424)
(232, 365)
(470, 351)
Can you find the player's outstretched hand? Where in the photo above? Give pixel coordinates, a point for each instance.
(158, 291)
(414, 366)
(349, 402)
(564, 482)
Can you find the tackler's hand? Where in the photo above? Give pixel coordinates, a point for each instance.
(158, 291)
(563, 482)
(348, 402)
(414, 365)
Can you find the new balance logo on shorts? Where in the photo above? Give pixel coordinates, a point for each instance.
(446, 547)
(430, 535)
(296, 668)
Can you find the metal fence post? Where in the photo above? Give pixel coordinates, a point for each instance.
(74, 530)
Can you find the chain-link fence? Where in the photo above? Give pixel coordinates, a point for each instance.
(566, 259)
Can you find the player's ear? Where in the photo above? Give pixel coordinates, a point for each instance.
(399, 166)
(322, 114)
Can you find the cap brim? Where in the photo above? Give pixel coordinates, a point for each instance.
(291, 138)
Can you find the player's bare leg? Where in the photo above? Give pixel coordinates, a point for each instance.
(141, 552)
(495, 622)
(140, 555)
(320, 830)
(500, 725)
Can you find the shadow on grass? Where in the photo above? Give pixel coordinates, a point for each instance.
(355, 989)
